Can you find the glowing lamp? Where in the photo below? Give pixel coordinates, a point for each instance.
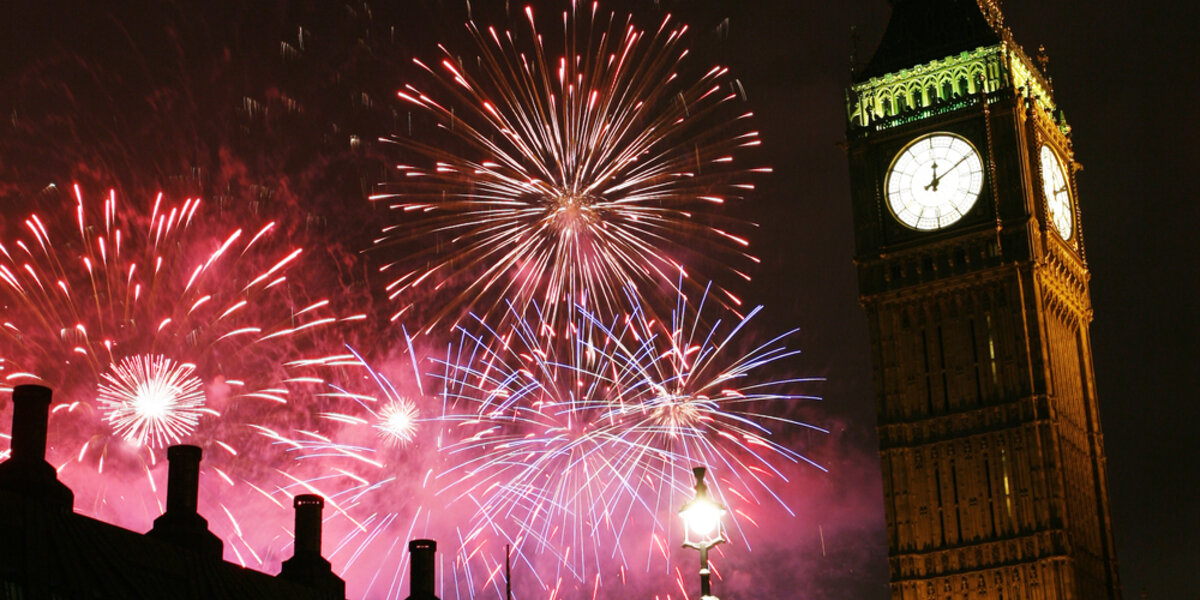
(702, 519)
(702, 516)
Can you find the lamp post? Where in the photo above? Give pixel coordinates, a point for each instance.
(702, 528)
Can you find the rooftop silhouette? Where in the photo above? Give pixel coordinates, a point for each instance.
(49, 551)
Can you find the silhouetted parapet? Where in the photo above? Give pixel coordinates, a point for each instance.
(49, 553)
(421, 584)
(307, 566)
(26, 472)
(181, 524)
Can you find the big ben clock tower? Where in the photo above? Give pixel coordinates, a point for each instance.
(973, 273)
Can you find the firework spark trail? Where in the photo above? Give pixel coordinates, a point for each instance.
(372, 448)
(385, 487)
(583, 171)
(154, 327)
(576, 437)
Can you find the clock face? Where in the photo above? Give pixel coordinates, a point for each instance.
(934, 181)
(1057, 191)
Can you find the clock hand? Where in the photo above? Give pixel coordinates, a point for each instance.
(937, 179)
(933, 182)
(960, 161)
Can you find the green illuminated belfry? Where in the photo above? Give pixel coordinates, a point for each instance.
(973, 273)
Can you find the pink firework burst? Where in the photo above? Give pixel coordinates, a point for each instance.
(607, 162)
(155, 323)
(152, 399)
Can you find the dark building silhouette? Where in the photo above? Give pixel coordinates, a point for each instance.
(26, 471)
(420, 585)
(973, 272)
(48, 551)
(307, 566)
(181, 524)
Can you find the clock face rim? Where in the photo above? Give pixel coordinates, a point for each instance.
(961, 205)
(1060, 200)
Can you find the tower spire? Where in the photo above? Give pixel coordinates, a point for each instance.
(993, 14)
(923, 30)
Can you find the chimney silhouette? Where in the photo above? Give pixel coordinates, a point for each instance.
(307, 566)
(181, 524)
(26, 472)
(420, 585)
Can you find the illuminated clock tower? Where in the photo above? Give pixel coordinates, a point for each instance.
(974, 276)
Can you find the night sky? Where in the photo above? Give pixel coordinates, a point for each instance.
(1124, 74)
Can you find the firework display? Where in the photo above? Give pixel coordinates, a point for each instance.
(159, 325)
(562, 266)
(151, 400)
(568, 172)
(570, 444)
(373, 450)
(574, 438)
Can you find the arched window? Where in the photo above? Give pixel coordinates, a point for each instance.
(915, 96)
(976, 76)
